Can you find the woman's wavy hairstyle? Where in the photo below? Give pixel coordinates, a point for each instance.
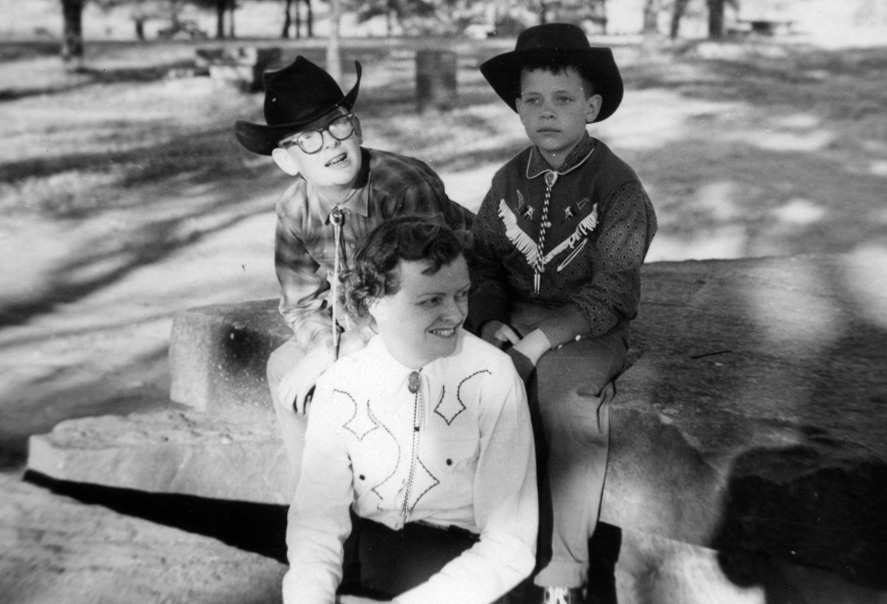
(374, 272)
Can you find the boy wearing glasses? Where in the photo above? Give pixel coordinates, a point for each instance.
(559, 242)
(339, 193)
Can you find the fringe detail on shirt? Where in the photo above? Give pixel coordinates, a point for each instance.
(523, 242)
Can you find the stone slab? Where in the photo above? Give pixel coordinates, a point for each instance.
(755, 416)
(56, 549)
(218, 353)
(173, 450)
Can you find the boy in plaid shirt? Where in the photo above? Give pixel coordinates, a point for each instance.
(339, 193)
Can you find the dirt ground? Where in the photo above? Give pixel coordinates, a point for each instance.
(125, 198)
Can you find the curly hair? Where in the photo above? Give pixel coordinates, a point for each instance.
(374, 272)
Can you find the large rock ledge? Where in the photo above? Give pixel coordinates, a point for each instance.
(754, 416)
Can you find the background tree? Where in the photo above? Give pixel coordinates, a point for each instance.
(716, 18)
(411, 16)
(333, 59)
(651, 16)
(72, 33)
(224, 10)
(677, 12)
(288, 20)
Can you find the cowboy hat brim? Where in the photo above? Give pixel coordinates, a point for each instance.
(503, 73)
(263, 139)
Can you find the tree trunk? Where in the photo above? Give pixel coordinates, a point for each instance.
(298, 18)
(679, 7)
(716, 19)
(287, 19)
(221, 6)
(333, 60)
(140, 29)
(72, 45)
(232, 4)
(310, 19)
(651, 16)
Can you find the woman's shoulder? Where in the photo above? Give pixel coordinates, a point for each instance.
(475, 353)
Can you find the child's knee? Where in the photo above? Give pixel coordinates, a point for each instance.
(577, 416)
(281, 361)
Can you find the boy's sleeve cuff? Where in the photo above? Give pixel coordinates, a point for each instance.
(568, 323)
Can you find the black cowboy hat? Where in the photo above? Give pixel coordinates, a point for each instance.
(295, 96)
(558, 44)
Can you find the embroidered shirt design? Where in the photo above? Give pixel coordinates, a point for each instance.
(407, 477)
(362, 421)
(532, 251)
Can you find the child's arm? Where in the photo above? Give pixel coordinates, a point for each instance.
(612, 292)
(297, 385)
(489, 300)
(303, 284)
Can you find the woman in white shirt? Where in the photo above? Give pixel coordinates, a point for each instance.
(420, 444)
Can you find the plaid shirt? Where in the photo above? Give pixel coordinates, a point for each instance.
(585, 260)
(388, 185)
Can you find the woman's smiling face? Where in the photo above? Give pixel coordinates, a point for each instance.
(421, 321)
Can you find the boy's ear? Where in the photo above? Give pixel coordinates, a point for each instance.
(285, 161)
(593, 107)
(519, 105)
(358, 132)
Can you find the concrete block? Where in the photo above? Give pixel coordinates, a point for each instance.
(217, 355)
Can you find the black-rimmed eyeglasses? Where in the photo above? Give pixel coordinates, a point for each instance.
(311, 141)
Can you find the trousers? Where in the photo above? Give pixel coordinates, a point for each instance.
(569, 399)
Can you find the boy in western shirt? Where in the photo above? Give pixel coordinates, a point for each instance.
(559, 241)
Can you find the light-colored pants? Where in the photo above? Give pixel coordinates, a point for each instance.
(570, 410)
(292, 424)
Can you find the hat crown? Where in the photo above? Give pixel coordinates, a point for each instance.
(552, 36)
(556, 44)
(299, 93)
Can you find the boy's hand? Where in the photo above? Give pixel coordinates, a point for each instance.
(499, 334)
(534, 345)
(298, 383)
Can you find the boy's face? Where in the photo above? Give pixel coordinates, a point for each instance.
(335, 165)
(554, 109)
(420, 322)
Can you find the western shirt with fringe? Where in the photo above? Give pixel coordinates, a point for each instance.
(571, 239)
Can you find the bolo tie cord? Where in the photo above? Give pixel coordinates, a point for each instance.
(337, 217)
(539, 266)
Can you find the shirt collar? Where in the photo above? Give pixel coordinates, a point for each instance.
(385, 364)
(537, 166)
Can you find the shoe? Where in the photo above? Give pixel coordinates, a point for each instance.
(563, 595)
